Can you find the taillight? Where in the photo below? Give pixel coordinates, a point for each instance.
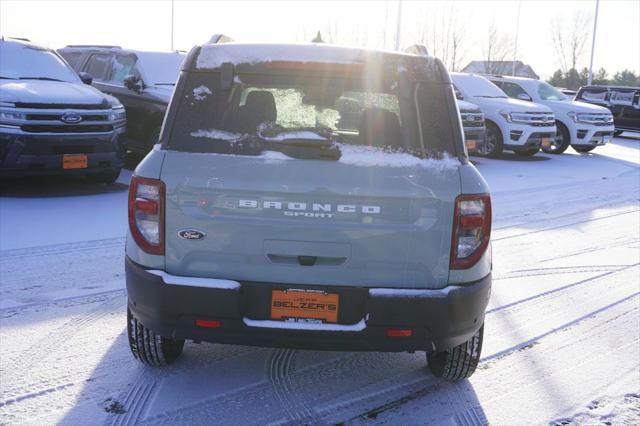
(471, 230)
(146, 214)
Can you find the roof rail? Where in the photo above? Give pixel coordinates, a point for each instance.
(417, 49)
(102, 46)
(219, 38)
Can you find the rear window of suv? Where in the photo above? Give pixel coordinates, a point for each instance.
(299, 104)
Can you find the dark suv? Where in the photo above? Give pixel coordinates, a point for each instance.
(142, 81)
(52, 123)
(623, 102)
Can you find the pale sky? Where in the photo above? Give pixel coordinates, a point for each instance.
(146, 25)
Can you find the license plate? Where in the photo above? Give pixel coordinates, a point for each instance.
(304, 304)
(74, 161)
(546, 142)
(471, 145)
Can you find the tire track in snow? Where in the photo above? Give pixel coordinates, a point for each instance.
(49, 345)
(280, 368)
(509, 378)
(135, 403)
(564, 225)
(553, 292)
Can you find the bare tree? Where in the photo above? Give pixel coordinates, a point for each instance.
(569, 42)
(496, 48)
(442, 33)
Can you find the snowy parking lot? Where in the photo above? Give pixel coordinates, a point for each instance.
(562, 335)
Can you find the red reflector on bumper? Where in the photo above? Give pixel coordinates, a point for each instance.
(207, 323)
(393, 332)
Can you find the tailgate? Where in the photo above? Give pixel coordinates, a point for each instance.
(280, 220)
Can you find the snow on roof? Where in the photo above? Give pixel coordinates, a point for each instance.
(213, 55)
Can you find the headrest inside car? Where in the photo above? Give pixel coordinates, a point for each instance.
(260, 107)
(381, 128)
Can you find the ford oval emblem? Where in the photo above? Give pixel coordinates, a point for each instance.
(191, 234)
(71, 118)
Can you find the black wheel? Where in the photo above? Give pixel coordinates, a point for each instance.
(151, 348)
(561, 141)
(457, 363)
(617, 133)
(104, 177)
(527, 152)
(492, 146)
(579, 148)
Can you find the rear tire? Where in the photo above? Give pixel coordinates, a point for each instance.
(561, 141)
(583, 149)
(457, 363)
(493, 143)
(151, 348)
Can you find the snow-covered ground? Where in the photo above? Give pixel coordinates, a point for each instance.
(562, 337)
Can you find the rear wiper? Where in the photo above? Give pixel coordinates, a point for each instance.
(40, 78)
(302, 148)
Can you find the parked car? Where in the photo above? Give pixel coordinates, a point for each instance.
(516, 125)
(623, 102)
(264, 219)
(473, 126)
(142, 81)
(581, 125)
(53, 123)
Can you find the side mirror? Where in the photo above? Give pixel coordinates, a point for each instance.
(458, 95)
(85, 77)
(524, 97)
(132, 82)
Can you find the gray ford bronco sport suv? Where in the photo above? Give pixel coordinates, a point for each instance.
(310, 196)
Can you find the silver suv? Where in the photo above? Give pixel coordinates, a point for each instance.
(53, 123)
(310, 196)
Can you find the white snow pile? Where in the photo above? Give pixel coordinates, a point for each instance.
(218, 134)
(367, 156)
(200, 93)
(294, 135)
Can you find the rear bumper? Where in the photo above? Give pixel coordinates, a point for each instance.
(438, 319)
(38, 154)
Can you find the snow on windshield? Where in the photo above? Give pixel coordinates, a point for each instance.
(18, 60)
(161, 67)
(476, 86)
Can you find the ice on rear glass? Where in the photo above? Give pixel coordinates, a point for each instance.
(200, 93)
(217, 134)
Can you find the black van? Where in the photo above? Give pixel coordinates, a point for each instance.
(623, 102)
(142, 81)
